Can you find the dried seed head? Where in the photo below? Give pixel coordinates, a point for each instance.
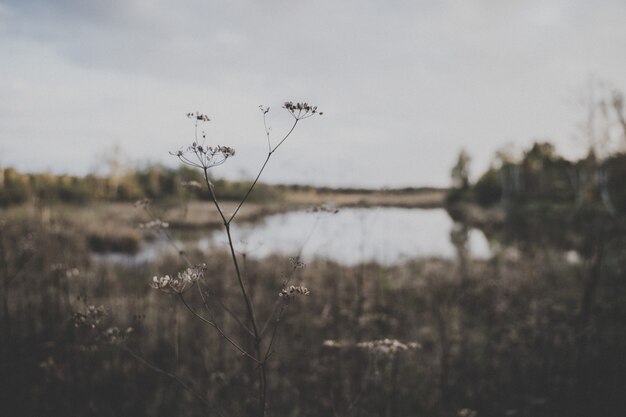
(387, 346)
(91, 318)
(293, 291)
(335, 344)
(300, 110)
(201, 156)
(466, 412)
(198, 117)
(296, 263)
(181, 282)
(154, 224)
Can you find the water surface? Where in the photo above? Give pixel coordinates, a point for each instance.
(351, 236)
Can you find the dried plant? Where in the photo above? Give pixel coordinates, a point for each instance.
(261, 332)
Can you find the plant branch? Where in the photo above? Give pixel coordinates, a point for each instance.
(174, 377)
(228, 310)
(244, 293)
(269, 155)
(219, 330)
(212, 193)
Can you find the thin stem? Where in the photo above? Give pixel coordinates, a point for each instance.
(260, 360)
(287, 135)
(267, 131)
(237, 319)
(213, 196)
(219, 330)
(289, 278)
(170, 239)
(268, 352)
(244, 293)
(245, 197)
(263, 390)
(269, 155)
(228, 310)
(175, 378)
(183, 254)
(277, 303)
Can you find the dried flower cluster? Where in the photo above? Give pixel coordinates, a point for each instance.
(466, 412)
(198, 117)
(65, 269)
(296, 263)
(90, 318)
(382, 347)
(72, 272)
(336, 344)
(300, 110)
(387, 346)
(154, 224)
(294, 290)
(181, 282)
(204, 157)
(114, 335)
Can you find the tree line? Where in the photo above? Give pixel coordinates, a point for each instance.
(154, 182)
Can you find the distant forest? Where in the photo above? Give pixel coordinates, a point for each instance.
(542, 177)
(154, 182)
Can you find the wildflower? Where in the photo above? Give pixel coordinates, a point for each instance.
(466, 412)
(181, 282)
(198, 117)
(73, 272)
(160, 283)
(335, 344)
(293, 290)
(154, 224)
(301, 110)
(296, 263)
(90, 318)
(114, 335)
(387, 346)
(204, 157)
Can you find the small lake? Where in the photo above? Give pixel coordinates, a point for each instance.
(351, 236)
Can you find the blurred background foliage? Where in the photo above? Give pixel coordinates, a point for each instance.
(154, 182)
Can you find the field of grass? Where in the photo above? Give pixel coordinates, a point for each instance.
(514, 335)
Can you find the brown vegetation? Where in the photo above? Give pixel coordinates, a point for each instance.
(501, 337)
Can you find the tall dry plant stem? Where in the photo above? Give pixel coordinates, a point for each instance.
(204, 157)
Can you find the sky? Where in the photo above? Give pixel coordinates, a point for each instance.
(404, 85)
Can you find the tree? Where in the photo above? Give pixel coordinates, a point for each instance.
(460, 171)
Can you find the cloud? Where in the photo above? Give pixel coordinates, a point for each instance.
(404, 84)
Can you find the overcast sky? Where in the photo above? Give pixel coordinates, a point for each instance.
(404, 85)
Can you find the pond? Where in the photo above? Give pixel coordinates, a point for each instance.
(351, 236)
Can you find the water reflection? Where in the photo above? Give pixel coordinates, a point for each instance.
(352, 236)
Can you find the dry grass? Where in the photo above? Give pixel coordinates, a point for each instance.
(391, 198)
(501, 337)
